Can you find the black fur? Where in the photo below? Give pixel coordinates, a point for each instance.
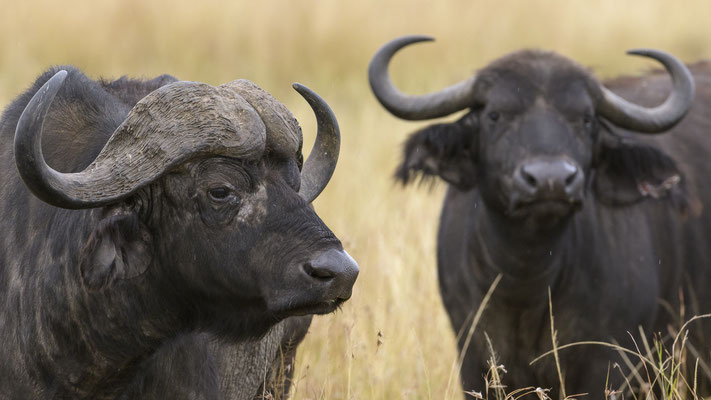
(444, 150)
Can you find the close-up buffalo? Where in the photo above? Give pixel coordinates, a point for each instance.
(159, 239)
(592, 192)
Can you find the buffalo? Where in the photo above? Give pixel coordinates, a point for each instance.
(159, 240)
(559, 183)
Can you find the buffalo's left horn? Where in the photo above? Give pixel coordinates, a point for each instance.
(657, 119)
(444, 102)
(167, 127)
(319, 167)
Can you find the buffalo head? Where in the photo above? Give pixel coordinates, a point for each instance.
(537, 134)
(201, 191)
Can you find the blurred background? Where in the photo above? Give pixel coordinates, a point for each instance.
(392, 340)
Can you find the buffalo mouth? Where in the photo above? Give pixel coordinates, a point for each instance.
(545, 207)
(297, 308)
(320, 308)
(319, 285)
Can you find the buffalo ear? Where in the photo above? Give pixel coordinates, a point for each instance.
(444, 150)
(628, 172)
(120, 247)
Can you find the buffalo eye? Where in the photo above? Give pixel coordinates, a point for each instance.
(221, 194)
(494, 116)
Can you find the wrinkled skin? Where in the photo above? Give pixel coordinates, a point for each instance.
(618, 244)
(170, 293)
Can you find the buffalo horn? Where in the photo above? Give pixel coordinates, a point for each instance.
(49, 185)
(444, 102)
(319, 167)
(172, 124)
(657, 119)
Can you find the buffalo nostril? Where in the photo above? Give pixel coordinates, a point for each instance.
(335, 270)
(571, 178)
(548, 175)
(529, 178)
(319, 273)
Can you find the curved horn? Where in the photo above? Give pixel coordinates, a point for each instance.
(444, 102)
(174, 123)
(43, 181)
(319, 167)
(658, 119)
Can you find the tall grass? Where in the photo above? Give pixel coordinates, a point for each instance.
(393, 339)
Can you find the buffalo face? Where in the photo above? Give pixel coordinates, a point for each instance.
(242, 232)
(534, 143)
(537, 135)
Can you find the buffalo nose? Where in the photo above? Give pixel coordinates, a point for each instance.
(542, 175)
(337, 269)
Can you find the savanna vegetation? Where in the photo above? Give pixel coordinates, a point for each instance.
(392, 340)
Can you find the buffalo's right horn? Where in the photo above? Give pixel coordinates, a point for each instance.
(43, 181)
(319, 167)
(444, 102)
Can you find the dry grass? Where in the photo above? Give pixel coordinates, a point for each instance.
(393, 339)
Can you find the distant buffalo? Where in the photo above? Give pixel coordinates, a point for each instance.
(552, 185)
(152, 230)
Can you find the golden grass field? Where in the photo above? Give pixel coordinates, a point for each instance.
(392, 340)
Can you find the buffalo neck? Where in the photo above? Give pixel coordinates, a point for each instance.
(90, 341)
(529, 261)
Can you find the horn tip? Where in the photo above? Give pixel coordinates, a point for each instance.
(302, 89)
(60, 75)
(408, 39)
(56, 80)
(643, 52)
(307, 93)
